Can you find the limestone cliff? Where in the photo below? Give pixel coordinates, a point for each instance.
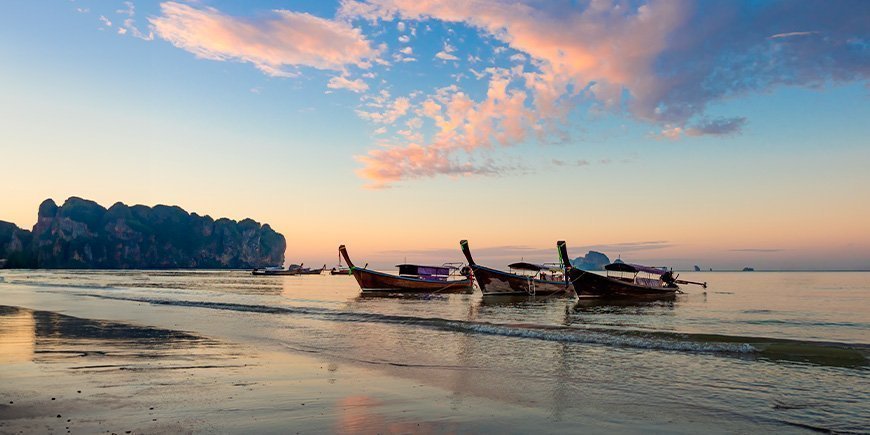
(83, 234)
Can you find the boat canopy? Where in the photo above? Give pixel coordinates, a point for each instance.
(423, 271)
(522, 265)
(634, 268)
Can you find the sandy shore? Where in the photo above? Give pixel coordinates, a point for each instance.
(68, 374)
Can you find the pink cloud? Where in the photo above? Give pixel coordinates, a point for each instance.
(274, 44)
(341, 82)
(660, 61)
(385, 166)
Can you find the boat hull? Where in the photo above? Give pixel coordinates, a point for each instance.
(588, 284)
(494, 282)
(378, 282)
(273, 272)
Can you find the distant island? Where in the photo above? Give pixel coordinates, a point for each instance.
(593, 260)
(82, 234)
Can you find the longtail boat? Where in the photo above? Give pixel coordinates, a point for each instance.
(275, 271)
(339, 270)
(412, 278)
(310, 271)
(622, 280)
(533, 279)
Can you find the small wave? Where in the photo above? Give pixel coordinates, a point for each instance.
(823, 353)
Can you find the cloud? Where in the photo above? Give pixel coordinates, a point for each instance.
(759, 250)
(628, 246)
(706, 127)
(791, 34)
(383, 167)
(717, 127)
(662, 62)
(445, 54)
(275, 44)
(578, 163)
(105, 21)
(391, 112)
(341, 82)
(130, 23)
(494, 253)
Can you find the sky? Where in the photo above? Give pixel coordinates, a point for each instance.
(677, 132)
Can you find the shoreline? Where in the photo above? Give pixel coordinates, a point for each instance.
(207, 370)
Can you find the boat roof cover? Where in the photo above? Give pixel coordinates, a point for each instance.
(416, 269)
(634, 268)
(522, 265)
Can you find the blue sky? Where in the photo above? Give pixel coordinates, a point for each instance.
(734, 132)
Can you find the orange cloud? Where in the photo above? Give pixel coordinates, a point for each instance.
(661, 61)
(275, 44)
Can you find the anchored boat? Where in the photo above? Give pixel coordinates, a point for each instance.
(275, 271)
(622, 280)
(310, 271)
(412, 278)
(531, 279)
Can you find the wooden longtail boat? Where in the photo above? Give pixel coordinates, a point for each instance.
(496, 282)
(339, 270)
(623, 281)
(412, 278)
(274, 271)
(310, 271)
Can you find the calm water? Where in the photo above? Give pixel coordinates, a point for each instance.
(785, 351)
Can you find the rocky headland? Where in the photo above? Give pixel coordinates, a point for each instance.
(593, 260)
(81, 234)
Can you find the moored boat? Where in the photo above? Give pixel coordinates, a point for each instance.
(412, 278)
(277, 270)
(339, 270)
(532, 279)
(310, 271)
(622, 280)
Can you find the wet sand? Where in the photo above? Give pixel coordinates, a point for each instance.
(169, 360)
(65, 374)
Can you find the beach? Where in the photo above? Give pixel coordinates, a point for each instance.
(199, 352)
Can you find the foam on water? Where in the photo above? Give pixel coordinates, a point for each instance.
(826, 353)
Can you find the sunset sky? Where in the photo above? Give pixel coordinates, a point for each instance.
(724, 134)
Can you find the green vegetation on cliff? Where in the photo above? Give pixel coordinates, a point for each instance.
(83, 234)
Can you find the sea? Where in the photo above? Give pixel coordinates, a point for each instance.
(783, 351)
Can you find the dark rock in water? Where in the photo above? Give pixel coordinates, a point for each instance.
(593, 260)
(83, 234)
(697, 269)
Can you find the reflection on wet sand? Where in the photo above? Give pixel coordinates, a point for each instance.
(68, 372)
(360, 414)
(17, 335)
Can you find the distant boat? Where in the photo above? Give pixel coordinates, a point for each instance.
(339, 270)
(309, 271)
(533, 279)
(277, 270)
(748, 269)
(623, 280)
(697, 269)
(412, 278)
